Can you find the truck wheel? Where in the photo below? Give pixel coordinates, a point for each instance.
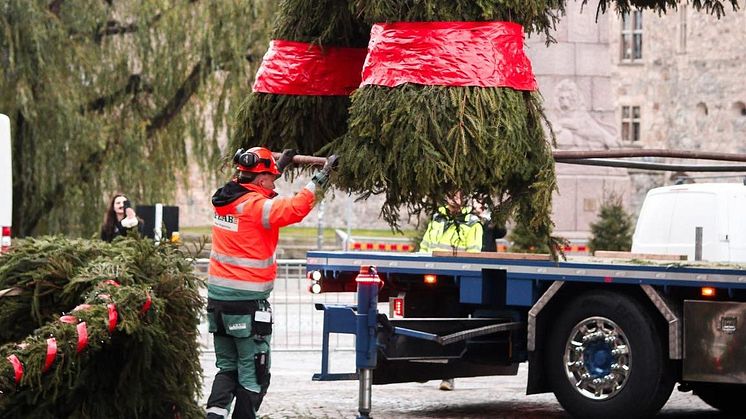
(606, 358)
(727, 398)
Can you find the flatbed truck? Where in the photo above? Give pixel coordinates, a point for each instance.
(609, 337)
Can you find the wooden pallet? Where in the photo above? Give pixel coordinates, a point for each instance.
(629, 255)
(493, 255)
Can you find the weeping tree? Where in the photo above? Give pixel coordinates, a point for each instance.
(112, 95)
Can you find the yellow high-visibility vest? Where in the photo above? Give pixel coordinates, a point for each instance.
(446, 232)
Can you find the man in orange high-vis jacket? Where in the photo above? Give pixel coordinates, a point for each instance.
(246, 227)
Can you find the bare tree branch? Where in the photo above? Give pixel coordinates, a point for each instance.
(114, 27)
(187, 89)
(134, 86)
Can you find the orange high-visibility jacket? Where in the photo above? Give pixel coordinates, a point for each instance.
(244, 239)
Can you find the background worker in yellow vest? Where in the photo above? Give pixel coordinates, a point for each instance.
(246, 226)
(454, 227)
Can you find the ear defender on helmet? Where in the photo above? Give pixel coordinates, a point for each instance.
(237, 155)
(256, 160)
(246, 158)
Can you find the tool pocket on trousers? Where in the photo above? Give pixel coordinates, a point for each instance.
(261, 366)
(212, 324)
(237, 325)
(262, 323)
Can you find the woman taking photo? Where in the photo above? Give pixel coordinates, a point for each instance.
(118, 219)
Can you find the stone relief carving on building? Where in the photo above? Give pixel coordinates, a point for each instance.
(573, 123)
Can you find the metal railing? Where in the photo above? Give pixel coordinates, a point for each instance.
(297, 323)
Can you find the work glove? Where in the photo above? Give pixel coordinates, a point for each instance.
(286, 159)
(321, 178)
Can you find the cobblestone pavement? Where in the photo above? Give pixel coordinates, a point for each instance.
(293, 395)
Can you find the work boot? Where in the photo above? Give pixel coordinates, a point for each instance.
(447, 384)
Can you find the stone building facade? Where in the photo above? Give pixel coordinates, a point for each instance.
(574, 76)
(681, 84)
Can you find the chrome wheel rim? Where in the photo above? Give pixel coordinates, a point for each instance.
(597, 358)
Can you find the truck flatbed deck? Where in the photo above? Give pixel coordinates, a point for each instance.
(575, 268)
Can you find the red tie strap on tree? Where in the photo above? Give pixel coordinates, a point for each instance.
(81, 307)
(68, 319)
(146, 305)
(304, 69)
(112, 282)
(82, 337)
(17, 367)
(483, 54)
(51, 354)
(113, 317)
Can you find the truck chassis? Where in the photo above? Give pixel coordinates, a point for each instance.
(610, 338)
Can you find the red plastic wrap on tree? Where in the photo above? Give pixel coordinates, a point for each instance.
(112, 282)
(51, 354)
(82, 337)
(299, 68)
(113, 317)
(484, 54)
(146, 305)
(17, 367)
(68, 319)
(82, 307)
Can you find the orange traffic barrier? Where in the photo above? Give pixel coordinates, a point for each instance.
(574, 248)
(386, 247)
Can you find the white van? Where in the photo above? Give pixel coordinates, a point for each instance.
(670, 215)
(6, 183)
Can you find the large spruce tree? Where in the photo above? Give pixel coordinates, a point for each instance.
(116, 95)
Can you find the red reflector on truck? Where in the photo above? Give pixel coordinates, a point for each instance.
(398, 307)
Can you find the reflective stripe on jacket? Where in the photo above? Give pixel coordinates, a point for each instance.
(463, 232)
(244, 239)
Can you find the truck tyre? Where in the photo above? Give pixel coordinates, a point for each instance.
(606, 358)
(727, 398)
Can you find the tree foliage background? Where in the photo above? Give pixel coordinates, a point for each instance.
(613, 229)
(525, 239)
(108, 95)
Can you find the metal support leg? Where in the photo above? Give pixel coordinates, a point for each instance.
(365, 393)
(366, 348)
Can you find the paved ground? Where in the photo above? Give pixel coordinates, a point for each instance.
(294, 395)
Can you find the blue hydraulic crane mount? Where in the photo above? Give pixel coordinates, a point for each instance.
(609, 338)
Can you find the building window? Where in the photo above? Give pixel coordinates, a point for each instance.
(739, 108)
(682, 29)
(631, 124)
(702, 110)
(632, 36)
